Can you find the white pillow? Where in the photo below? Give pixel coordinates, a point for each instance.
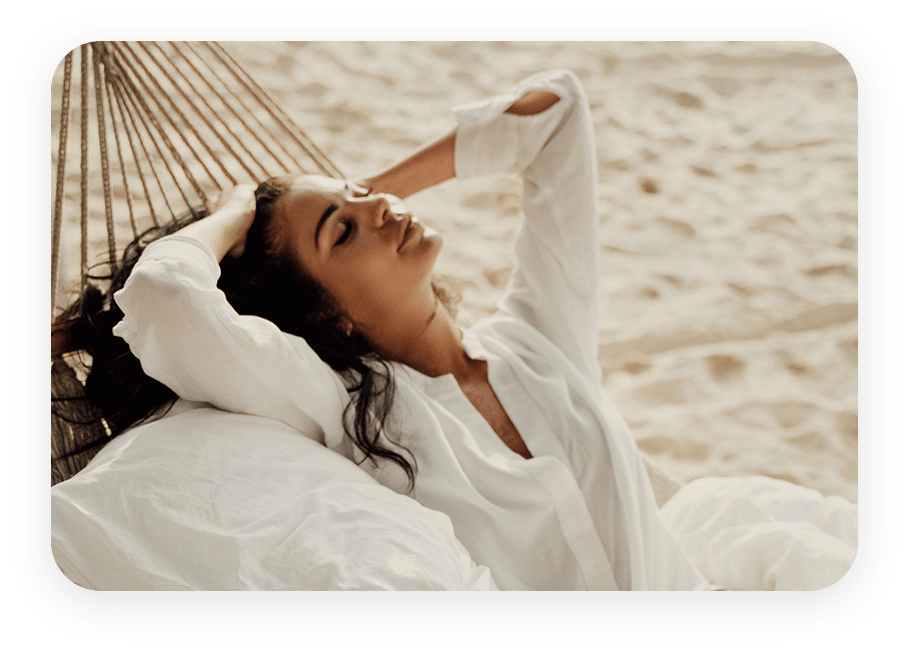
(209, 500)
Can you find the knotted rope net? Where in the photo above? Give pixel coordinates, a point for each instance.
(163, 128)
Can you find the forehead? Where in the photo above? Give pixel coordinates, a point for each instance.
(310, 195)
(301, 208)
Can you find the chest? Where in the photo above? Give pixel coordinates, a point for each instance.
(484, 399)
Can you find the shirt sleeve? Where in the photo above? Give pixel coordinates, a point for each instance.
(554, 284)
(187, 336)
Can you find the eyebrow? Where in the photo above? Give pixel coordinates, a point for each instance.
(327, 213)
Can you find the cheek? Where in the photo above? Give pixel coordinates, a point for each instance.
(368, 274)
(375, 283)
(361, 279)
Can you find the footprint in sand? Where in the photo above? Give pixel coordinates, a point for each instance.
(497, 277)
(791, 413)
(688, 100)
(702, 171)
(634, 368)
(809, 442)
(724, 368)
(777, 223)
(723, 86)
(677, 227)
(771, 415)
(821, 316)
(677, 391)
(826, 270)
(485, 199)
(849, 349)
(679, 449)
(847, 427)
(649, 186)
(681, 98)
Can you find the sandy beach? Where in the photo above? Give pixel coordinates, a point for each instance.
(728, 179)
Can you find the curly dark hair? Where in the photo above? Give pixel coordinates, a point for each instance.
(259, 283)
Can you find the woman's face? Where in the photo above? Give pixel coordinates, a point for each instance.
(371, 255)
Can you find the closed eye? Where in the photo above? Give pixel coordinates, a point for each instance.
(348, 229)
(348, 224)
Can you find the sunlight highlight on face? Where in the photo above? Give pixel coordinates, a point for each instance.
(367, 250)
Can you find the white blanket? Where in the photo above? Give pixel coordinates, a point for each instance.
(209, 500)
(758, 533)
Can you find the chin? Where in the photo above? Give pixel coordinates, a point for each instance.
(432, 246)
(432, 235)
(431, 242)
(436, 246)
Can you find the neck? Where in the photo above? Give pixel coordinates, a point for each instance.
(434, 349)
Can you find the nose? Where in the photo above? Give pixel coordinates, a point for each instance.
(374, 210)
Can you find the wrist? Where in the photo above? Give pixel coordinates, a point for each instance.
(219, 232)
(430, 166)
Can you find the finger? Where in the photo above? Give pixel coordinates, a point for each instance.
(360, 187)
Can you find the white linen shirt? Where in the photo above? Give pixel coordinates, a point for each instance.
(581, 513)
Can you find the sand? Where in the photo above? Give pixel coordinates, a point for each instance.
(728, 212)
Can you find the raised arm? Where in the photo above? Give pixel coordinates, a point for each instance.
(423, 169)
(187, 336)
(541, 130)
(224, 230)
(435, 162)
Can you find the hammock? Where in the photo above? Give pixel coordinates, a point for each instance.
(173, 125)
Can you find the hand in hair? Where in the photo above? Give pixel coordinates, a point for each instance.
(229, 219)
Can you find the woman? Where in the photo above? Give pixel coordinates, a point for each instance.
(503, 427)
(311, 301)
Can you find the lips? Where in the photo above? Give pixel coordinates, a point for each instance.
(408, 230)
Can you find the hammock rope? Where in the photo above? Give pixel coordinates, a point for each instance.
(164, 126)
(61, 172)
(166, 98)
(174, 122)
